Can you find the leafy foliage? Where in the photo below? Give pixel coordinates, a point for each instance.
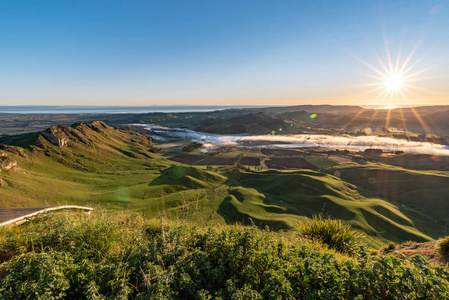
(159, 260)
(332, 233)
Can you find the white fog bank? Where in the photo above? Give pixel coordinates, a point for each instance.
(300, 141)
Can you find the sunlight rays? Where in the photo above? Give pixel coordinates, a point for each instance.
(395, 77)
(394, 82)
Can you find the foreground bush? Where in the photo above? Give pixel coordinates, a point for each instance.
(160, 261)
(332, 233)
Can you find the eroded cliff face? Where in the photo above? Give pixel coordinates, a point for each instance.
(55, 135)
(12, 149)
(63, 136)
(6, 162)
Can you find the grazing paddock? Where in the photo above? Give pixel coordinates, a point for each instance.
(321, 161)
(282, 163)
(418, 162)
(217, 161)
(341, 159)
(283, 152)
(254, 151)
(190, 159)
(250, 161)
(204, 160)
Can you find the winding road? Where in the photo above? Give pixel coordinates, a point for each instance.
(13, 215)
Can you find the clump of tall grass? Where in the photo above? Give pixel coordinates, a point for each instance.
(333, 233)
(443, 247)
(390, 247)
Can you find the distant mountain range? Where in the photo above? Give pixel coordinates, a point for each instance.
(321, 119)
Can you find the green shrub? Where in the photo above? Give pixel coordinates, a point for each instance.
(36, 276)
(8, 249)
(390, 247)
(443, 247)
(333, 233)
(192, 146)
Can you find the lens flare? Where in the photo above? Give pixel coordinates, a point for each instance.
(394, 82)
(395, 77)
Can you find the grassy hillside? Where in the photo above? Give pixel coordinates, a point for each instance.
(107, 167)
(100, 165)
(421, 195)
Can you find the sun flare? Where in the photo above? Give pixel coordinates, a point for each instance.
(395, 79)
(394, 82)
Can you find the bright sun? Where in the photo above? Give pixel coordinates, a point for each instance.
(394, 78)
(394, 82)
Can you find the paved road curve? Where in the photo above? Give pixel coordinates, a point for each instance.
(7, 214)
(14, 215)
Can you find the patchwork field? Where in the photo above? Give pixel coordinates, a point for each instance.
(283, 152)
(282, 163)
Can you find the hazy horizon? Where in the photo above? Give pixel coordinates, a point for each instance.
(126, 109)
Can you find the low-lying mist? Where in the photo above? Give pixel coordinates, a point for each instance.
(160, 133)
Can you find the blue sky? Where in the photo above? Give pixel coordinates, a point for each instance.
(219, 52)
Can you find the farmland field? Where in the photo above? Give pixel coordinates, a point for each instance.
(251, 161)
(283, 152)
(282, 163)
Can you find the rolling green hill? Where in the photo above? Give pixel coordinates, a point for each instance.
(99, 165)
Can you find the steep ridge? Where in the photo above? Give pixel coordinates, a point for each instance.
(85, 163)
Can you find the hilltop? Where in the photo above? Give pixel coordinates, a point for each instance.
(86, 163)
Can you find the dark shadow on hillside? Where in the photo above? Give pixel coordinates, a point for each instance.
(188, 177)
(232, 216)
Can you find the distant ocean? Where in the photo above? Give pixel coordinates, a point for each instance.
(109, 109)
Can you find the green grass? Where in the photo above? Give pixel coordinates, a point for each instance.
(15, 130)
(321, 161)
(419, 194)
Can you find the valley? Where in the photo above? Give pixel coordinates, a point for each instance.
(127, 168)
